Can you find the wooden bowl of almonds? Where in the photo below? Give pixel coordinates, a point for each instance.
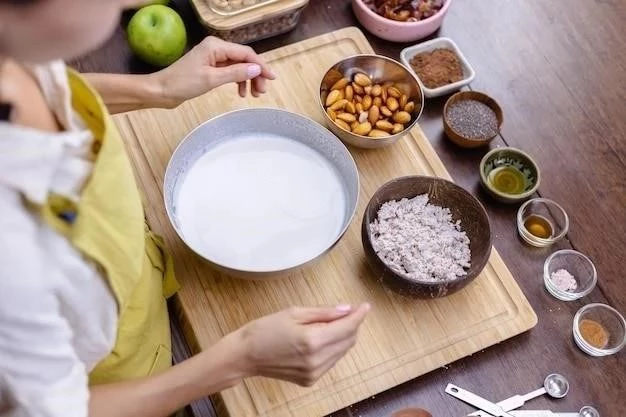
(425, 236)
(370, 101)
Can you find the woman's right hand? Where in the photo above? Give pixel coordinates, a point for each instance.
(300, 344)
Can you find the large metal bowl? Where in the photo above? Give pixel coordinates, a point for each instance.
(236, 124)
(380, 69)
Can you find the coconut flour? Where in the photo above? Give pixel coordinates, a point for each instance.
(420, 240)
(261, 203)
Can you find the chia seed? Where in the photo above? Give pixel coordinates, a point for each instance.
(472, 119)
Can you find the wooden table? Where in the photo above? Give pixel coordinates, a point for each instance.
(559, 71)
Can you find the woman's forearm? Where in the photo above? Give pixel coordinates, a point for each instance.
(211, 371)
(126, 92)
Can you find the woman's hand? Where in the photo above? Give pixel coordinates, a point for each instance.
(208, 65)
(300, 345)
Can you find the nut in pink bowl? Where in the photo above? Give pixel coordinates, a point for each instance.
(395, 31)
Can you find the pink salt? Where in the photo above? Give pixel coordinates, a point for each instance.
(563, 280)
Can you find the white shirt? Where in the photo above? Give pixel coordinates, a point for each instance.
(58, 318)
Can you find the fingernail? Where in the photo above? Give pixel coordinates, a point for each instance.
(344, 308)
(273, 74)
(254, 71)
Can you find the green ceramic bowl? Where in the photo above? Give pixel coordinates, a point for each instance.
(509, 175)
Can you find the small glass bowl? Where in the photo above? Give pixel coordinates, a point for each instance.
(578, 265)
(612, 321)
(544, 210)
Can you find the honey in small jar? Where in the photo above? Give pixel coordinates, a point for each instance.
(539, 226)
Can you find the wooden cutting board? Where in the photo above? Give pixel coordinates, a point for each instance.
(401, 338)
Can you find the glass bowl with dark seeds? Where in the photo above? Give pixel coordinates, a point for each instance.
(472, 119)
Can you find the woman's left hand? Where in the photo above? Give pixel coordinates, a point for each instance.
(210, 64)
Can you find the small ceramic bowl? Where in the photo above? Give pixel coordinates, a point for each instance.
(439, 43)
(395, 31)
(380, 69)
(494, 167)
(463, 206)
(458, 138)
(611, 334)
(542, 222)
(574, 263)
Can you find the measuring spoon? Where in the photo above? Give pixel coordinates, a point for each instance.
(586, 411)
(555, 385)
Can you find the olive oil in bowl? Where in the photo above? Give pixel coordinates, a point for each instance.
(507, 179)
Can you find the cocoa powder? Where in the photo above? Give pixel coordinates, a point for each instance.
(437, 68)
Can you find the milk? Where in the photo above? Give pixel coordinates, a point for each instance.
(261, 202)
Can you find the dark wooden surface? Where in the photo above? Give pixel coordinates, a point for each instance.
(558, 70)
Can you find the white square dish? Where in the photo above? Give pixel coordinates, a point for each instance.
(468, 72)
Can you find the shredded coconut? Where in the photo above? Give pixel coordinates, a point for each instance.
(563, 280)
(420, 240)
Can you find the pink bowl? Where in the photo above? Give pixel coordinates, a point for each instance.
(394, 31)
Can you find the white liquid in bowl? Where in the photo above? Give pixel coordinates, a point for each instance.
(261, 203)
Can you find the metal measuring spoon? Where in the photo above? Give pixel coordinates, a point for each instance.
(555, 385)
(588, 411)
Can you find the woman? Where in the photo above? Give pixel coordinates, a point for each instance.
(83, 319)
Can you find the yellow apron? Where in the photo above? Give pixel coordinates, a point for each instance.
(108, 228)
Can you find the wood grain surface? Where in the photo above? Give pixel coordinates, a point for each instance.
(559, 71)
(403, 337)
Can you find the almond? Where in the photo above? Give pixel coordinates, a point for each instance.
(363, 117)
(347, 117)
(332, 97)
(403, 100)
(343, 125)
(354, 125)
(362, 79)
(358, 89)
(374, 114)
(340, 85)
(397, 128)
(349, 93)
(394, 92)
(410, 106)
(375, 133)
(350, 107)
(332, 114)
(401, 117)
(386, 112)
(384, 125)
(377, 90)
(367, 103)
(362, 129)
(384, 94)
(359, 108)
(339, 105)
(368, 90)
(392, 104)
(378, 101)
(358, 98)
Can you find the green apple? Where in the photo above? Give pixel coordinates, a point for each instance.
(157, 35)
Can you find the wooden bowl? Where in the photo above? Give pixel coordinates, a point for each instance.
(463, 206)
(464, 141)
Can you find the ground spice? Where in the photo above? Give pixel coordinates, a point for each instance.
(472, 119)
(594, 333)
(563, 280)
(437, 68)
